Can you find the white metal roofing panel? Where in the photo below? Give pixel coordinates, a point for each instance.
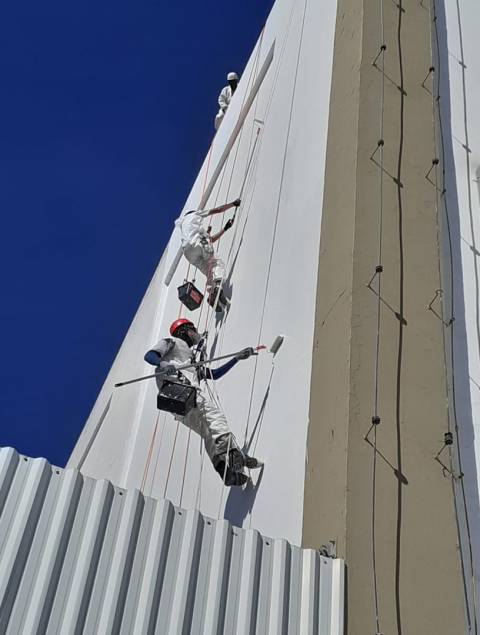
(82, 556)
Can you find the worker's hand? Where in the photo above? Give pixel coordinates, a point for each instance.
(245, 354)
(236, 202)
(228, 224)
(164, 368)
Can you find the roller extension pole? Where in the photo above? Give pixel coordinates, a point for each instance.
(186, 366)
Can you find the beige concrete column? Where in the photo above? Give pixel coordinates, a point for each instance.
(419, 581)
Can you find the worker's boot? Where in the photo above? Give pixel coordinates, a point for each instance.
(235, 479)
(237, 460)
(212, 298)
(231, 477)
(252, 463)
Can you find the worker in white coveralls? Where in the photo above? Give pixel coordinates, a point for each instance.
(225, 97)
(197, 247)
(206, 418)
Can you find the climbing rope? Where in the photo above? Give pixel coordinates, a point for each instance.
(401, 322)
(254, 77)
(239, 214)
(158, 453)
(213, 391)
(185, 466)
(378, 272)
(170, 462)
(198, 497)
(149, 456)
(209, 155)
(277, 212)
(212, 396)
(264, 122)
(152, 439)
(251, 154)
(249, 176)
(275, 80)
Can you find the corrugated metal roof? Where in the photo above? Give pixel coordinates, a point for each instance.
(82, 556)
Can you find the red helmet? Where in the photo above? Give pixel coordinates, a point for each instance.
(174, 325)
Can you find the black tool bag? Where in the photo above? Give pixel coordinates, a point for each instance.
(190, 296)
(176, 397)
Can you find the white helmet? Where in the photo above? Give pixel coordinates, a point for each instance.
(232, 76)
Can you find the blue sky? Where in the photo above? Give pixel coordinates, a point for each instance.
(105, 116)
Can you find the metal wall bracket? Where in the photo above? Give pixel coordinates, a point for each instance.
(378, 270)
(373, 158)
(439, 294)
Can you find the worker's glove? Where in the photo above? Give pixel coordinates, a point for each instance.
(228, 224)
(164, 368)
(245, 354)
(236, 202)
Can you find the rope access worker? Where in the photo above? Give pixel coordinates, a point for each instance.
(205, 418)
(197, 247)
(225, 97)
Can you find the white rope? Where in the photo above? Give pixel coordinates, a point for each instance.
(170, 462)
(185, 465)
(227, 461)
(158, 453)
(278, 205)
(198, 497)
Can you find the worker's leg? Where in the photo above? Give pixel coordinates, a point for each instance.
(201, 254)
(210, 423)
(214, 428)
(227, 458)
(215, 271)
(215, 277)
(192, 420)
(196, 255)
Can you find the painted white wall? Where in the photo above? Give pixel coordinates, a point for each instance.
(458, 71)
(272, 257)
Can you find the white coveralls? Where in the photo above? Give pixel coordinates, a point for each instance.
(206, 419)
(198, 249)
(224, 100)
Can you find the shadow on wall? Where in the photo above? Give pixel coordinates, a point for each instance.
(240, 502)
(466, 488)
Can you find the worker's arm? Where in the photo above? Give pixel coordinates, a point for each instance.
(223, 100)
(154, 356)
(217, 373)
(223, 208)
(215, 237)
